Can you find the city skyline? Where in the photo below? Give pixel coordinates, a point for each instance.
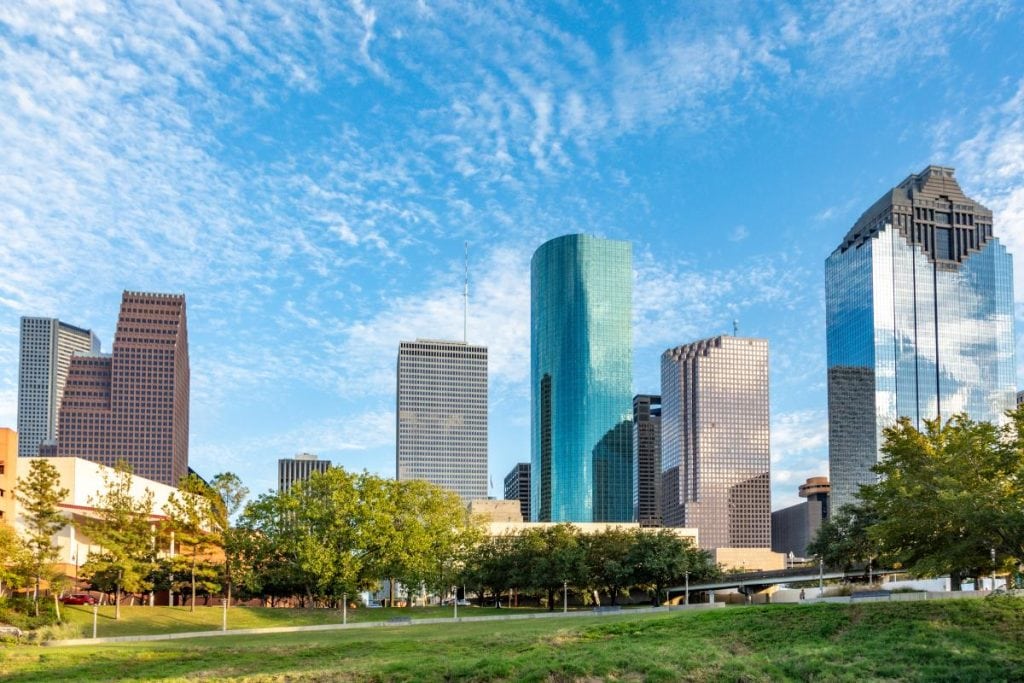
(311, 189)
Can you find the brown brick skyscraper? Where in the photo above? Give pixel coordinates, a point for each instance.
(132, 405)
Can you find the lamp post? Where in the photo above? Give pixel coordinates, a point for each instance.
(455, 601)
(686, 598)
(993, 552)
(821, 577)
(344, 608)
(565, 597)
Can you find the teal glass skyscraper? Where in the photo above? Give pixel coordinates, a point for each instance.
(919, 313)
(581, 301)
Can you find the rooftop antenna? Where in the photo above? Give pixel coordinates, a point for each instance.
(465, 295)
(735, 328)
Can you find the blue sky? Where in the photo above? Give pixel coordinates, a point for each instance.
(307, 171)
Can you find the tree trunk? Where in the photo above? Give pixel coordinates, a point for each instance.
(551, 600)
(117, 601)
(192, 606)
(56, 606)
(35, 596)
(954, 580)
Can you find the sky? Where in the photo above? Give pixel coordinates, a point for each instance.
(307, 172)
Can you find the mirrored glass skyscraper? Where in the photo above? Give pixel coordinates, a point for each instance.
(919, 310)
(581, 300)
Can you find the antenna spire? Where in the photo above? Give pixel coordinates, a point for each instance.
(735, 328)
(465, 295)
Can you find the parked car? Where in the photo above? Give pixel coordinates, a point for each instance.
(462, 603)
(78, 599)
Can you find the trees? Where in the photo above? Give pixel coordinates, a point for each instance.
(661, 558)
(123, 529)
(15, 560)
(948, 496)
(608, 562)
(40, 495)
(560, 558)
(230, 494)
(190, 514)
(842, 540)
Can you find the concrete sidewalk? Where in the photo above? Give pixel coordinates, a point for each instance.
(376, 624)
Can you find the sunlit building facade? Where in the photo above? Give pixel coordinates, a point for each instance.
(919, 310)
(442, 415)
(582, 373)
(715, 449)
(133, 404)
(47, 345)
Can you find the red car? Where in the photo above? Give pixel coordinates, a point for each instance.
(78, 599)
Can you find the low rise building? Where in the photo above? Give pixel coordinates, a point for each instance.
(793, 528)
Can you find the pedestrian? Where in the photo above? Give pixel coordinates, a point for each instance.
(801, 595)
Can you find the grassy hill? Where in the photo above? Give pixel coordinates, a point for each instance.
(962, 640)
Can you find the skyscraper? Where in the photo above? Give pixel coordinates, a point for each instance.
(299, 468)
(46, 348)
(647, 459)
(919, 310)
(517, 487)
(442, 415)
(715, 441)
(133, 404)
(581, 294)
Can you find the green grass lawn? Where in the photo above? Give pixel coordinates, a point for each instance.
(140, 620)
(962, 640)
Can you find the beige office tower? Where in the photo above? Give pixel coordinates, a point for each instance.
(442, 415)
(715, 441)
(46, 348)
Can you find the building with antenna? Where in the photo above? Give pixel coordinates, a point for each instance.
(442, 415)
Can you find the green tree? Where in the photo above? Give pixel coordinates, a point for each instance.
(842, 540)
(661, 558)
(559, 557)
(190, 514)
(609, 563)
(15, 560)
(230, 496)
(40, 495)
(949, 495)
(267, 564)
(122, 528)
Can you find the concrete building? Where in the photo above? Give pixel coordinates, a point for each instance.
(793, 528)
(517, 487)
(919, 314)
(502, 517)
(299, 468)
(581, 358)
(84, 480)
(133, 404)
(647, 460)
(8, 473)
(442, 415)
(715, 441)
(1020, 397)
(47, 345)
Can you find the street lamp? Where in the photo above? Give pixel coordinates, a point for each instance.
(993, 552)
(686, 599)
(821, 576)
(565, 597)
